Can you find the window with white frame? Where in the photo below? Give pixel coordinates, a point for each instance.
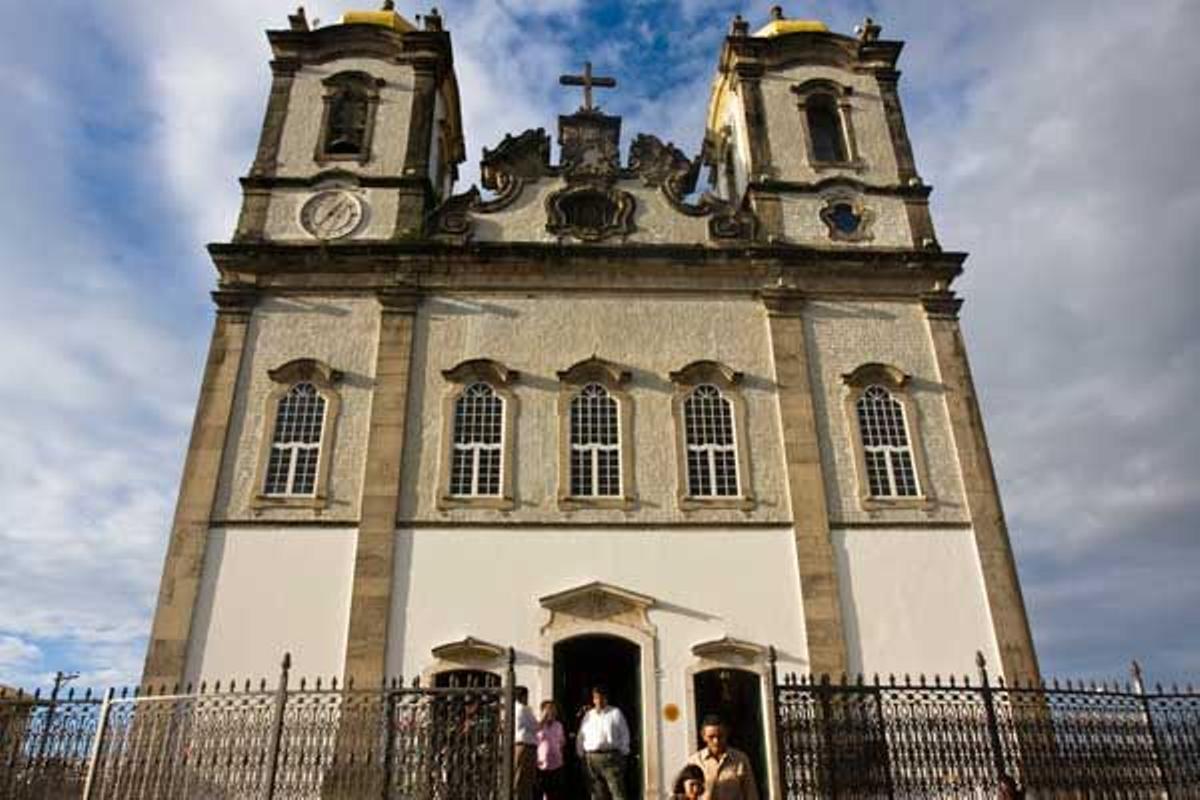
(711, 443)
(887, 454)
(295, 456)
(475, 469)
(595, 443)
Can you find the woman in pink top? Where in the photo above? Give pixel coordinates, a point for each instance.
(550, 742)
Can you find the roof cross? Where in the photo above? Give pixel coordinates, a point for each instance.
(587, 81)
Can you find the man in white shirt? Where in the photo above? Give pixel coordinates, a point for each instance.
(603, 746)
(525, 743)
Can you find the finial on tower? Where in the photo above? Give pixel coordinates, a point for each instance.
(299, 20)
(740, 27)
(389, 5)
(868, 30)
(776, 13)
(433, 20)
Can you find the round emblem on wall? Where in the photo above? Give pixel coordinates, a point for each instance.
(332, 214)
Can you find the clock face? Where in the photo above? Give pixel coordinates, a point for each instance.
(332, 214)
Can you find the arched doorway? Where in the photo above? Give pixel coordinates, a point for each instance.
(585, 661)
(735, 695)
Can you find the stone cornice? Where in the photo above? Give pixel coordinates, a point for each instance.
(919, 191)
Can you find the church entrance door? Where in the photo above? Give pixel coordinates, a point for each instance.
(735, 695)
(586, 661)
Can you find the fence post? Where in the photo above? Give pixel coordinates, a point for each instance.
(775, 746)
(389, 741)
(1140, 687)
(97, 750)
(508, 732)
(281, 695)
(825, 693)
(990, 708)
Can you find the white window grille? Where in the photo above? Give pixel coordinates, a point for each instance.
(595, 444)
(296, 445)
(886, 450)
(478, 442)
(711, 443)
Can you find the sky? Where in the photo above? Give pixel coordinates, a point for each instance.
(1059, 138)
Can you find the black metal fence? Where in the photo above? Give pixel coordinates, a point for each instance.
(953, 739)
(249, 743)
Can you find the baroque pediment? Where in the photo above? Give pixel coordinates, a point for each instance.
(468, 651)
(596, 602)
(728, 650)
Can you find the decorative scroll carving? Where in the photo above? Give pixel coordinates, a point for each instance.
(666, 167)
(589, 212)
(601, 601)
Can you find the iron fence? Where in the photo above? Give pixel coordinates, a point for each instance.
(952, 739)
(252, 743)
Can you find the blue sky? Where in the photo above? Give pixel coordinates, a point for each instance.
(1059, 139)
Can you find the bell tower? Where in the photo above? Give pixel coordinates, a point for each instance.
(363, 131)
(806, 126)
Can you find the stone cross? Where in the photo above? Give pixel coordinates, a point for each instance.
(587, 81)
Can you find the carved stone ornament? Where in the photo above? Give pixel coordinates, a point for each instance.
(666, 167)
(468, 651)
(515, 163)
(590, 213)
(332, 214)
(601, 602)
(730, 651)
(847, 219)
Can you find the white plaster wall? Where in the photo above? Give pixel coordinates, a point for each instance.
(708, 583)
(283, 214)
(913, 601)
(651, 336)
(344, 333)
(735, 118)
(789, 151)
(842, 336)
(802, 221)
(302, 128)
(655, 220)
(267, 591)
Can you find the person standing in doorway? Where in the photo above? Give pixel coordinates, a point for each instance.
(727, 772)
(551, 739)
(525, 744)
(603, 747)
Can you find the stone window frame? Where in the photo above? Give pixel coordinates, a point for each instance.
(500, 378)
(335, 85)
(728, 382)
(864, 233)
(840, 94)
(898, 384)
(325, 379)
(614, 379)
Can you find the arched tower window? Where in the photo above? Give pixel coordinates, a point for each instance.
(886, 450)
(299, 418)
(478, 433)
(825, 129)
(712, 468)
(296, 444)
(595, 444)
(351, 99)
(477, 460)
(886, 437)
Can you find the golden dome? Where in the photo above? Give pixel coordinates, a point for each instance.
(386, 18)
(781, 27)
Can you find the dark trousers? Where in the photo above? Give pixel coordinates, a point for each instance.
(606, 775)
(551, 784)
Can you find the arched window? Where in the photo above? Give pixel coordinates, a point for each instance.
(477, 458)
(351, 99)
(347, 130)
(295, 457)
(595, 444)
(887, 454)
(825, 129)
(710, 439)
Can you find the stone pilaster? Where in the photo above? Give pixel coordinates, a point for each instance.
(1017, 656)
(416, 193)
(166, 657)
(371, 595)
(806, 483)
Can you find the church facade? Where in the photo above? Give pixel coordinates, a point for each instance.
(641, 434)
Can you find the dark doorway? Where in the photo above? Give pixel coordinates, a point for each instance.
(465, 679)
(584, 662)
(735, 696)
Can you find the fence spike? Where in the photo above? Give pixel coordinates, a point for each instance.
(922, 679)
(137, 692)
(124, 692)
(416, 682)
(953, 681)
(188, 689)
(844, 679)
(966, 680)
(303, 683)
(1174, 688)
(333, 683)
(37, 693)
(1000, 681)
(891, 679)
(876, 678)
(937, 680)
(860, 679)
(1158, 688)
(88, 694)
(907, 679)
(1190, 690)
